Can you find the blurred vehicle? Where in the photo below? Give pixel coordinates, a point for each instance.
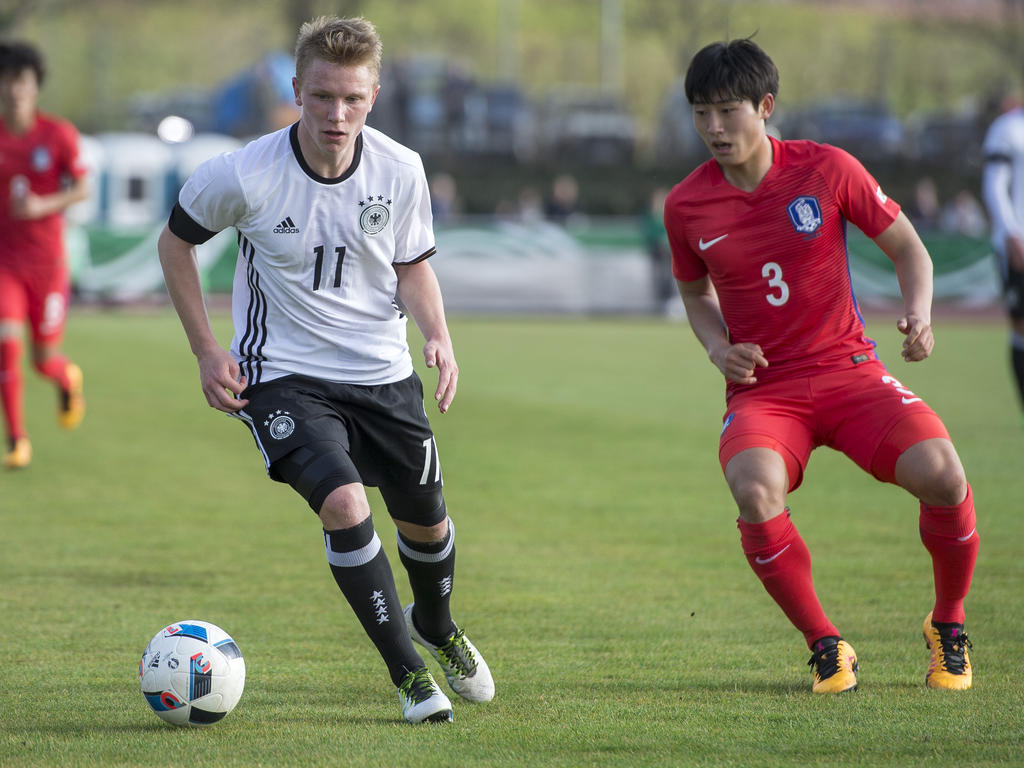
(422, 103)
(497, 123)
(147, 110)
(257, 100)
(675, 137)
(951, 139)
(868, 130)
(585, 126)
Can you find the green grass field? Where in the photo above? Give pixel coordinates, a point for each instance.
(599, 569)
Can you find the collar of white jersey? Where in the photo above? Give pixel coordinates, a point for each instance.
(293, 137)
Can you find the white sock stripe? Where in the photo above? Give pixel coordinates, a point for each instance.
(356, 557)
(429, 557)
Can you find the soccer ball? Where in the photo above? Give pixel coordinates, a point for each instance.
(192, 673)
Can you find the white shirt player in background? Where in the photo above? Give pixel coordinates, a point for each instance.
(335, 229)
(1003, 192)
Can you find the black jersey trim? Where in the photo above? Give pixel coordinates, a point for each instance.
(998, 157)
(293, 137)
(422, 257)
(187, 228)
(250, 346)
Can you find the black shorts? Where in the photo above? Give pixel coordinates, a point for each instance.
(382, 430)
(1013, 292)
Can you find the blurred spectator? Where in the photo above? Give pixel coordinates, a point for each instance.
(563, 202)
(652, 224)
(1003, 188)
(444, 199)
(530, 205)
(963, 215)
(925, 210)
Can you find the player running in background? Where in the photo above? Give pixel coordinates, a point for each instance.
(334, 229)
(1003, 191)
(759, 250)
(40, 176)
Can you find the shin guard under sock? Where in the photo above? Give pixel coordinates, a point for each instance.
(361, 570)
(780, 559)
(55, 368)
(431, 569)
(951, 538)
(12, 387)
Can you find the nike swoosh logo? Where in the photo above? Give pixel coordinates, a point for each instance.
(704, 246)
(967, 537)
(766, 560)
(909, 400)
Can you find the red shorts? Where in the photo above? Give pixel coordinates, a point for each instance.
(40, 299)
(863, 412)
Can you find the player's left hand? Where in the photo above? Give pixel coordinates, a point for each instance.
(27, 207)
(920, 340)
(442, 356)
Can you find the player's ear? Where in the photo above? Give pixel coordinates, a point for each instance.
(373, 98)
(767, 106)
(298, 92)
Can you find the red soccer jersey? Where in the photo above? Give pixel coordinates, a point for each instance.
(42, 159)
(777, 256)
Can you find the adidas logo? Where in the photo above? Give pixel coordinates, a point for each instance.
(286, 227)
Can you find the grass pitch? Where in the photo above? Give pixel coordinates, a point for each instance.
(599, 569)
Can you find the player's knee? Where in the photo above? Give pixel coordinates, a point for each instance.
(947, 489)
(421, 509)
(931, 470)
(756, 498)
(344, 507)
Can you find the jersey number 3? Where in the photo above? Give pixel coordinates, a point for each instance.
(318, 269)
(773, 272)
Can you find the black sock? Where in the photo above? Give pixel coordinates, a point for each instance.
(1018, 370)
(363, 573)
(431, 569)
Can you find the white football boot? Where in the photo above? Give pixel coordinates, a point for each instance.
(422, 699)
(464, 668)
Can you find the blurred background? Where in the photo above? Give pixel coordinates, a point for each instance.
(550, 131)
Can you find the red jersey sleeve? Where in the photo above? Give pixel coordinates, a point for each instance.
(687, 265)
(858, 195)
(71, 163)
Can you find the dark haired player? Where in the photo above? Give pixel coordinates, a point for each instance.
(759, 250)
(40, 176)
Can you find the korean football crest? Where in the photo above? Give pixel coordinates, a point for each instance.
(805, 214)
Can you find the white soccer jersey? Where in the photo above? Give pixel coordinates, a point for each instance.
(315, 285)
(1003, 179)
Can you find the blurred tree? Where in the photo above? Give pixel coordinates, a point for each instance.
(300, 11)
(1012, 37)
(14, 12)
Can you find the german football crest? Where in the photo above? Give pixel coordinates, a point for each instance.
(280, 424)
(375, 215)
(805, 214)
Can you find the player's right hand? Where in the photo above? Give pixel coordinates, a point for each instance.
(220, 377)
(740, 361)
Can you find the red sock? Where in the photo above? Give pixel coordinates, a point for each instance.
(12, 387)
(950, 536)
(55, 367)
(782, 562)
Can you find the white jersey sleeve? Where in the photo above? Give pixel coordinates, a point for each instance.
(1003, 176)
(213, 195)
(414, 230)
